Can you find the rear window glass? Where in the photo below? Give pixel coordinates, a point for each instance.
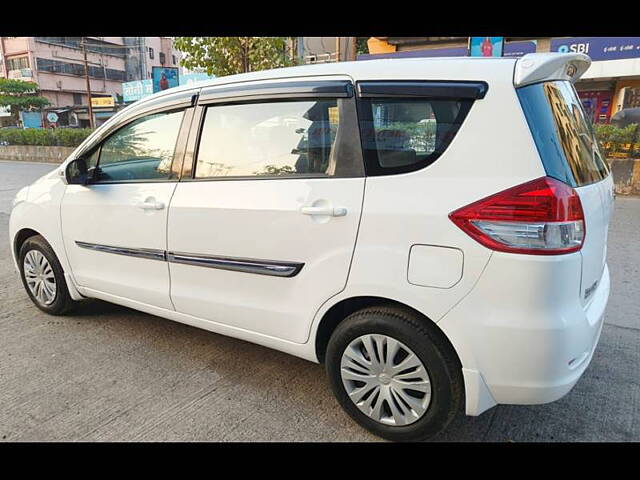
(405, 134)
(562, 132)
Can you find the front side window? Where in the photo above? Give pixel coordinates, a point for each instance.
(279, 139)
(405, 134)
(141, 150)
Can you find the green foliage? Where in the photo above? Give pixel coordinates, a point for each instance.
(20, 95)
(611, 138)
(361, 45)
(62, 137)
(230, 55)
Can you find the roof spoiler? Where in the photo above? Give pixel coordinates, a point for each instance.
(539, 67)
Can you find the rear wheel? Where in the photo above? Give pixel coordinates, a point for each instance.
(43, 276)
(393, 374)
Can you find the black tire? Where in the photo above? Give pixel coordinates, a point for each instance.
(62, 302)
(436, 354)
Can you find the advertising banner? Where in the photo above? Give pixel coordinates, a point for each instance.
(486, 46)
(132, 91)
(599, 48)
(164, 78)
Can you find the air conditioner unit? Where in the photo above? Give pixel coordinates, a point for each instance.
(59, 84)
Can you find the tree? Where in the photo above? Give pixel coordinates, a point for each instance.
(361, 45)
(230, 55)
(20, 95)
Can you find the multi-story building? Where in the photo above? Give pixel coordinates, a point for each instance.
(148, 52)
(611, 83)
(56, 64)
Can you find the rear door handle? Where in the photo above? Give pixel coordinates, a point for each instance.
(150, 205)
(324, 211)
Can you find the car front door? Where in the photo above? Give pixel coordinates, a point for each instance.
(263, 224)
(114, 228)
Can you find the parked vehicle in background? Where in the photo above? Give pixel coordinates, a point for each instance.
(433, 230)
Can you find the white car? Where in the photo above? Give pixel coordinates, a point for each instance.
(433, 230)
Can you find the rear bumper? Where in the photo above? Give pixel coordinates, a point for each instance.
(522, 334)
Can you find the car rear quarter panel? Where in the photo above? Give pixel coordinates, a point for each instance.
(492, 151)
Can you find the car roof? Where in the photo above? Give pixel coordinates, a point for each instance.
(452, 68)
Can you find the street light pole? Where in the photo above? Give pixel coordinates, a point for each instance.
(86, 76)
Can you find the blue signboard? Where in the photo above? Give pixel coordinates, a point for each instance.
(486, 46)
(164, 78)
(132, 91)
(599, 48)
(31, 119)
(518, 49)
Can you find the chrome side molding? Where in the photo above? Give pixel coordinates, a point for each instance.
(246, 265)
(149, 253)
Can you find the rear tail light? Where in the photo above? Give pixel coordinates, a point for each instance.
(541, 217)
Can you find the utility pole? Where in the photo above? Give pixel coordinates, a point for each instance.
(337, 49)
(86, 76)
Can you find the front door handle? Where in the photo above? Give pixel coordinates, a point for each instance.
(324, 211)
(150, 205)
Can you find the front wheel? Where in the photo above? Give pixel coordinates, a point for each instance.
(393, 374)
(43, 276)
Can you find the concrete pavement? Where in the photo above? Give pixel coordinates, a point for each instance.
(111, 373)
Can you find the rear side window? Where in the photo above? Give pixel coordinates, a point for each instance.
(403, 134)
(562, 132)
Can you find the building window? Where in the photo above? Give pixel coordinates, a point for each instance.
(173, 59)
(151, 56)
(17, 63)
(77, 99)
(56, 66)
(162, 58)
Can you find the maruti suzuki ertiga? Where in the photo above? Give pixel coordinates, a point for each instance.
(433, 230)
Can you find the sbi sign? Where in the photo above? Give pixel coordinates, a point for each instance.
(599, 48)
(574, 48)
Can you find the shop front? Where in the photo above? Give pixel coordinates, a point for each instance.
(613, 80)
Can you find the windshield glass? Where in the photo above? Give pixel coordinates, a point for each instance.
(563, 134)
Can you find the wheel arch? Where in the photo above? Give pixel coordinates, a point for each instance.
(20, 237)
(345, 307)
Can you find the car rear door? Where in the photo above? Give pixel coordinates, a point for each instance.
(569, 151)
(263, 224)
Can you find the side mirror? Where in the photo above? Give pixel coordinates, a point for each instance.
(77, 173)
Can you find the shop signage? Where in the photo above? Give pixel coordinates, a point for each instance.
(599, 48)
(132, 91)
(102, 102)
(52, 117)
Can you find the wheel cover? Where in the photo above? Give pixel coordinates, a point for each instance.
(39, 277)
(385, 380)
